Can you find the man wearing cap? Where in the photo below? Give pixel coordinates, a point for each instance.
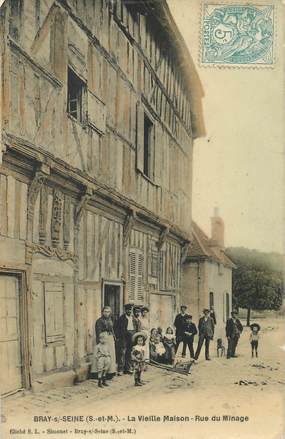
(127, 326)
(234, 329)
(179, 324)
(136, 318)
(206, 328)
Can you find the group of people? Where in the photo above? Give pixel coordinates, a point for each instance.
(123, 347)
(186, 331)
(127, 346)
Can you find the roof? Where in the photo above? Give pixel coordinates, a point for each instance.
(160, 11)
(202, 248)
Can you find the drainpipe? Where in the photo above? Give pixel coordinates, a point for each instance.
(198, 284)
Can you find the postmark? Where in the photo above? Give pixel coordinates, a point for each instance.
(237, 35)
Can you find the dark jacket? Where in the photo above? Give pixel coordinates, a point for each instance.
(122, 325)
(179, 323)
(230, 327)
(191, 328)
(103, 325)
(206, 328)
(213, 315)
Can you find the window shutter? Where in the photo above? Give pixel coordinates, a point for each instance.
(53, 295)
(132, 275)
(140, 262)
(136, 281)
(140, 138)
(158, 158)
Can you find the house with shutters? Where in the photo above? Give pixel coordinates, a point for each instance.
(100, 105)
(207, 274)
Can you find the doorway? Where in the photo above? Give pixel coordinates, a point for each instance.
(11, 333)
(113, 297)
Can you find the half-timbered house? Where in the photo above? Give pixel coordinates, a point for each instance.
(100, 104)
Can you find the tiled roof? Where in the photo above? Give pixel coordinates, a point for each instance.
(202, 247)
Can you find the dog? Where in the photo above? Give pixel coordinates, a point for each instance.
(221, 350)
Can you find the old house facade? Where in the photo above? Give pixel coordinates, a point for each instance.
(207, 274)
(100, 104)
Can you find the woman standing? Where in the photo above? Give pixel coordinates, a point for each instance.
(144, 318)
(104, 325)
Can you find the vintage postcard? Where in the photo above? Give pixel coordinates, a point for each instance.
(142, 219)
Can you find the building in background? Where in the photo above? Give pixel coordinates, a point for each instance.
(207, 274)
(100, 104)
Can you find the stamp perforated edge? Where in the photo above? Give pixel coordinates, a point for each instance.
(237, 66)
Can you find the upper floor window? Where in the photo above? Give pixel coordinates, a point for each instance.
(211, 299)
(148, 147)
(76, 91)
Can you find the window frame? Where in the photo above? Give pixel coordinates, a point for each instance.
(80, 96)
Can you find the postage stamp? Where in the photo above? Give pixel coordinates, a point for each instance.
(237, 35)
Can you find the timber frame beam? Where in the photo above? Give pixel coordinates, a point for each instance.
(128, 225)
(19, 150)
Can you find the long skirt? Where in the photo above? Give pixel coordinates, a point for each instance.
(111, 345)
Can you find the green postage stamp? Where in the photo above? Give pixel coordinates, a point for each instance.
(240, 35)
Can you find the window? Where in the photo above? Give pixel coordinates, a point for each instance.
(211, 299)
(153, 261)
(226, 306)
(76, 90)
(147, 159)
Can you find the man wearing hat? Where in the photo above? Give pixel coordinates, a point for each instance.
(206, 328)
(179, 324)
(127, 325)
(233, 330)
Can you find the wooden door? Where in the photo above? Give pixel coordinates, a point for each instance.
(10, 343)
(113, 298)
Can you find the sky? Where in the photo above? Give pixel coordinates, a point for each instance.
(238, 165)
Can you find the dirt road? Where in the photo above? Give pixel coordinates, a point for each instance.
(236, 398)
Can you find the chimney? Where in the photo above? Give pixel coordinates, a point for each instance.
(218, 229)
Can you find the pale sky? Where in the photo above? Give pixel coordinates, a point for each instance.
(238, 166)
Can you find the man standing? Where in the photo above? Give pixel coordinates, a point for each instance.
(179, 324)
(213, 314)
(190, 331)
(136, 318)
(206, 332)
(126, 328)
(233, 330)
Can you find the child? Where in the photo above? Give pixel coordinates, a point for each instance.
(169, 344)
(157, 349)
(138, 356)
(159, 333)
(102, 357)
(254, 337)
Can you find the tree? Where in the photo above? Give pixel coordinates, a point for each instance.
(257, 280)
